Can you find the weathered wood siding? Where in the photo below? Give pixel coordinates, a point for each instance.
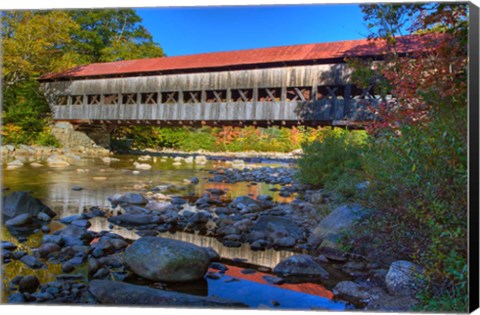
(329, 74)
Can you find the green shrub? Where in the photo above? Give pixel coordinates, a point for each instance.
(199, 139)
(335, 154)
(46, 138)
(419, 178)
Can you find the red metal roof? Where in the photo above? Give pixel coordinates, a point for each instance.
(249, 57)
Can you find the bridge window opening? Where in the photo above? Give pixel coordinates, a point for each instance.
(299, 94)
(169, 97)
(111, 99)
(93, 99)
(77, 99)
(219, 96)
(62, 100)
(192, 96)
(330, 92)
(269, 94)
(365, 93)
(149, 98)
(244, 95)
(129, 99)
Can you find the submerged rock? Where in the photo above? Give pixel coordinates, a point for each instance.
(162, 259)
(120, 293)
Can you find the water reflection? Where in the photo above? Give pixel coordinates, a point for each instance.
(99, 181)
(268, 258)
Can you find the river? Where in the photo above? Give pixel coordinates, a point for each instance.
(94, 181)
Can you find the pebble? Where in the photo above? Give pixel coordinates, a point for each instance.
(213, 275)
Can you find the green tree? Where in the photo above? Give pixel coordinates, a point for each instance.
(33, 43)
(110, 35)
(39, 42)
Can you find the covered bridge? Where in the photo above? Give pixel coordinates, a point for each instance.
(289, 85)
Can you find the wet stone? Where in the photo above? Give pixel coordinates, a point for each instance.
(218, 266)
(16, 280)
(56, 239)
(70, 219)
(248, 271)
(18, 254)
(68, 267)
(19, 220)
(213, 275)
(16, 298)
(232, 244)
(100, 274)
(8, 245)
(82, 223)
(32, 262)
(28, 284)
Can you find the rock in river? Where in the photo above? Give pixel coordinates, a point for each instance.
(28, 284)
(19, 220)
(120, 293)
(162, 259)
(135, 219)
(128, 198)
(20, 202)
(300, 266)
(32, 262)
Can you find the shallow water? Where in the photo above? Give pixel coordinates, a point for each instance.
(100, 180)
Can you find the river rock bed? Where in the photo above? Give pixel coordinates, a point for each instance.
(86, 256)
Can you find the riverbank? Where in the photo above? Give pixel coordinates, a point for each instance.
(248, 156)
(256, 222)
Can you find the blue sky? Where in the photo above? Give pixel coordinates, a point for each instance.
(183, 31)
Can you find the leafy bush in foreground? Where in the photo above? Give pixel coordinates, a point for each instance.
(336, 153)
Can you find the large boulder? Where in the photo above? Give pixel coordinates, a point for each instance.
(300, 266)
(333, 225)
(404, 278)
(163, 259)
(121, 293)
(21, 202)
